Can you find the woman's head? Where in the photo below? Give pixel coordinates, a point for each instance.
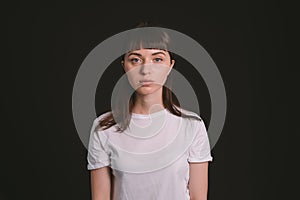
(147, 69)
(148, 60)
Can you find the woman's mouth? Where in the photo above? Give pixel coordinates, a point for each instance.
(146, 82)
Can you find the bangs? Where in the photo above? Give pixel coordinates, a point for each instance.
(148, 39)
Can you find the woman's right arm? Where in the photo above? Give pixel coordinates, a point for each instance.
(100, 183)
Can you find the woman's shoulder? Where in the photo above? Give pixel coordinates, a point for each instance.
(103, 115)
(189, 113)
(99, 118)
(190, 118)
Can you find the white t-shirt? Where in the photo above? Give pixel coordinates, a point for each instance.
(150, 159)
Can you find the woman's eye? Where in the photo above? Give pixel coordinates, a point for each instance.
(158, 59)
(134, 60)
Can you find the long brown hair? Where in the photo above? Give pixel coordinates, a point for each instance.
(159, 39)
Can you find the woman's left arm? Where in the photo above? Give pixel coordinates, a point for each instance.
(198, 182)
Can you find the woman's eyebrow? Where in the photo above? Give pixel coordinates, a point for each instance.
(160, 52)
(153, 54)
(136, 54)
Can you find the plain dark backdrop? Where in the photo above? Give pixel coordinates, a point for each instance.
(42, 156)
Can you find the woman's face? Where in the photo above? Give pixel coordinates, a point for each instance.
(147, 69)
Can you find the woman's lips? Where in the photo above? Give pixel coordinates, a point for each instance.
(146, 82)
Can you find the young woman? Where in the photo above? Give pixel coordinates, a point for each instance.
(148, 148)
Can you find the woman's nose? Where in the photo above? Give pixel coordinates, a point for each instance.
(147, 61)
(146, 66)
(145, 69)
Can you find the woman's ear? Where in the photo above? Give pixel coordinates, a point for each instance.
(122, 63)
(172, 63)
(171, 66)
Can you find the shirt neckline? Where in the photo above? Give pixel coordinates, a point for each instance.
(155, 114)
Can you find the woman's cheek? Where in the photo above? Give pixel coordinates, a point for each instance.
(132, 77)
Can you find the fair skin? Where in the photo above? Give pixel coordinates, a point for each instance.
(144, 64)
(198, 183)
(100, 183)
(141, 65)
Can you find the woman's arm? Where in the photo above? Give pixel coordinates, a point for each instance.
(100, 183)
(198, 183)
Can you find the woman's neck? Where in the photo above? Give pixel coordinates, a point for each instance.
(146, 104)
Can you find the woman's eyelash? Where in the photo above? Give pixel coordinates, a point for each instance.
(156, 59)
(134, 59)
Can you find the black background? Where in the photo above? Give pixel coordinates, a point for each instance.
(42, 156)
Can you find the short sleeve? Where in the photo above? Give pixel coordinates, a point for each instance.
(98, 155)
(200, 149)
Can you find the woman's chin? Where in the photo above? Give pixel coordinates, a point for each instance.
(147, 89)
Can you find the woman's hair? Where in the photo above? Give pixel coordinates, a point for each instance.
(157, 39)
